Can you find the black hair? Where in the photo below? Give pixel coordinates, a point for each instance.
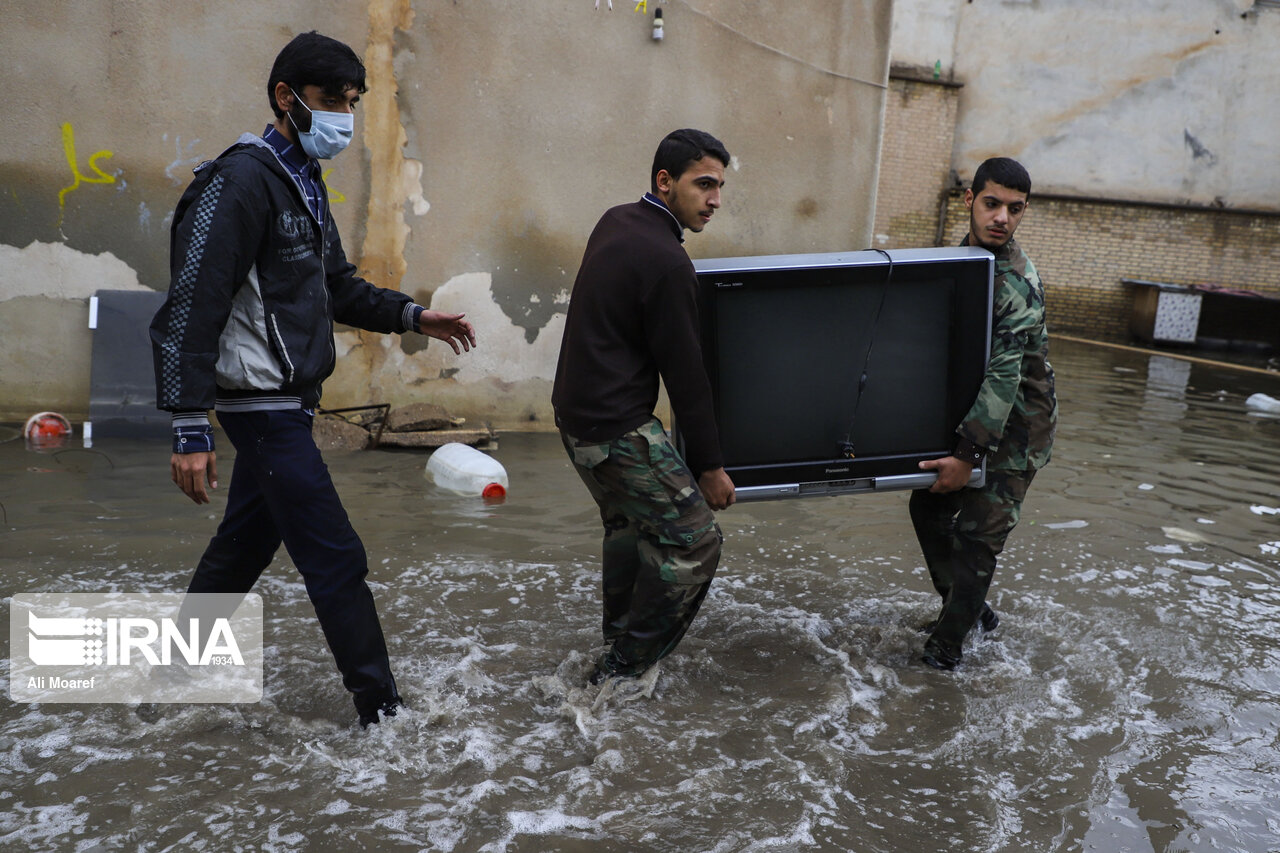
(680, 148)
(1004, 171)
(313, 59)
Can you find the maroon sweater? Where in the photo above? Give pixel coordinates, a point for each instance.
(633, 316)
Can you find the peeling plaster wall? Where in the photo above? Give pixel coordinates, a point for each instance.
(1154, 100)
(493, 136)
(44, 320)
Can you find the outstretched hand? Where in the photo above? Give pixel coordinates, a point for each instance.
(450, 328)
(953, 473)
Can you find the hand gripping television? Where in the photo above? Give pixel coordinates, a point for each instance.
(836, 373)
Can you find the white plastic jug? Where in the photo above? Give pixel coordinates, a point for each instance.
(466, 471)
(1263, 403)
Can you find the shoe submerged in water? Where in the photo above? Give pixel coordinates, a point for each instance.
(988, 619)
(938, 659)
(611, 664)
(933, 656)
(387, 708)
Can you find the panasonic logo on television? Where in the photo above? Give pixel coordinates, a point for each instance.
(844, 470)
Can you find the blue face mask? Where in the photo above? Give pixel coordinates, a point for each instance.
(329, 133)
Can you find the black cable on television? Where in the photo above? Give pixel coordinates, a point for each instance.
(846, 446)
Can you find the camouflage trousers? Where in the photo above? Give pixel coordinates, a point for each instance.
(661, 543)
(961, 533)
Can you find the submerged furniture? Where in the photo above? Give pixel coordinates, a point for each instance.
(122, 384)
(1206, 316)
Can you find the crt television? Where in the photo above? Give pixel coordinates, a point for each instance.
(840, 372)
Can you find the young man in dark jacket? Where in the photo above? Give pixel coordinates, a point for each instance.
(258, 279)
(632, 318)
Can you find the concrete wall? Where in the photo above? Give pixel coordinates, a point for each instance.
(1169, 101)
(492, 137)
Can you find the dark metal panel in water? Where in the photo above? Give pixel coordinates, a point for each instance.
(122, 389)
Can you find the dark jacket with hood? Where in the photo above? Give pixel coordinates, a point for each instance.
(257, 281)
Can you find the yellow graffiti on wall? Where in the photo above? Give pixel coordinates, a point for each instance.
(69, 148)
(335, 196)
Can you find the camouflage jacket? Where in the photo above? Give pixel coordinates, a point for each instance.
(1016, 412)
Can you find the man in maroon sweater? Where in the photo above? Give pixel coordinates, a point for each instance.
(633, 317)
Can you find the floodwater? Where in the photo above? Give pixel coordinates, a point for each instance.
(1128, 702)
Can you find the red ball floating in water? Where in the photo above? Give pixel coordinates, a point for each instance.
(46, 429)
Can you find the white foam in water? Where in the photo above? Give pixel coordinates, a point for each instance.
(336, 807)
(1183, 535)
(801, 834)
(546, 822)
(1193, 565)
(1059, 695)
(1209, 581)
(1165, 549)
(39, 826)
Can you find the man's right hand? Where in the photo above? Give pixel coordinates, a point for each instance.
(953, 473)
(716, 488)
(191, 471)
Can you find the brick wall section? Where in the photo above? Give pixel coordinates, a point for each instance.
(915, 160)
(1084, 247)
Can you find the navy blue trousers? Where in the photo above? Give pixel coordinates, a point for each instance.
(281, 491)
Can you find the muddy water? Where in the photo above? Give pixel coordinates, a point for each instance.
(1127, 702)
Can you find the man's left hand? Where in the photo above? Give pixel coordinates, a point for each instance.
(450, 328)
(953, 473)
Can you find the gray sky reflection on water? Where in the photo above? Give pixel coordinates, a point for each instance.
(1126, 702)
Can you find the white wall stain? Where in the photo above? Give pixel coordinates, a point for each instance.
(175, 171)
(58, 271)
(411, 175)
(501, 354)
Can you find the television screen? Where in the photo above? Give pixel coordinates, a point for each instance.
(840, 372)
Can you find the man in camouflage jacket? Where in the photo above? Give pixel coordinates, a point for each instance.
(961, 530)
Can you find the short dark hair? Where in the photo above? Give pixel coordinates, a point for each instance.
(313, 59)
(1004, 171)
(680, 148)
